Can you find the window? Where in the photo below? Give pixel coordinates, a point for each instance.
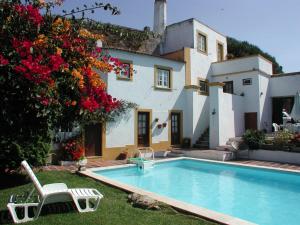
(127, 71)
(247, 81)
(228, 87)
(203, 84)
(163, 78)
(220, 52)
(202, 43)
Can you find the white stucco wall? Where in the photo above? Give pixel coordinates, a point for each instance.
(232, 117)
(178, 36)
(265, 104)
(251, 92)
(200, 114)
(257, 96)
(242, 65)
(284, 85)
(226, 116)
(212, 38)
(141, 91)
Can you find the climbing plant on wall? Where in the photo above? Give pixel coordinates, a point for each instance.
(48, 76)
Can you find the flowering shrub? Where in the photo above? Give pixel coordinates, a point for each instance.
(49, 75)
(73, 150)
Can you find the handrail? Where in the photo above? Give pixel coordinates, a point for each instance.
(148, 150)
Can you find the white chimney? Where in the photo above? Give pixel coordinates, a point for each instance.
(160, 16)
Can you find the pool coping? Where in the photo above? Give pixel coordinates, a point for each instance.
(190, 208)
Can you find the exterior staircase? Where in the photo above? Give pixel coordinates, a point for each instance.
(203, 141)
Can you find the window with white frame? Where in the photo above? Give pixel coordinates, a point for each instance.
(202, 42)
(163, 78)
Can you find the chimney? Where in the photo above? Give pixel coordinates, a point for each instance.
(160, 16)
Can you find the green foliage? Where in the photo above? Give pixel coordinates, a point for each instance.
(48, 78)
(282, 138)
(119, 36)
(254, 138)
(34, 149)
(237, 49)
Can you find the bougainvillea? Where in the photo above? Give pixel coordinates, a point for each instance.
(49, 73)
(73, 150)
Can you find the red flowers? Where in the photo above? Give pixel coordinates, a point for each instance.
(32, 70)
(24, 48)
(89, 104)
(73, 150)
(29, 13)
(56, 62)
(3, 61)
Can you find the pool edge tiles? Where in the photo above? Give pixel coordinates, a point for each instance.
(190, 208)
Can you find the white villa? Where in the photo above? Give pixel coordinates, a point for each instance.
(188, 87)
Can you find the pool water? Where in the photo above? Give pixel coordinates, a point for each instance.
(262, 196)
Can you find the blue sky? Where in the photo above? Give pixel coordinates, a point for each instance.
(273, 25)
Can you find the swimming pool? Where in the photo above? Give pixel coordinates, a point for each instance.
(262, 196)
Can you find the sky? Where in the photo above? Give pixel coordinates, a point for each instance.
(273, 25)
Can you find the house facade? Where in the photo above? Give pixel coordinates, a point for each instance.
(187, 88)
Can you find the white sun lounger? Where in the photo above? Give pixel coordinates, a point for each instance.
(86, 200)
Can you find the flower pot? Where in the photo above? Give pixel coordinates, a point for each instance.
(82, 162)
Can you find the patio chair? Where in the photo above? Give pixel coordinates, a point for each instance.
(85, 199)
(276, 127)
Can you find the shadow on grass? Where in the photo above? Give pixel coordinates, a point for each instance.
(56, 208)
(12, 180)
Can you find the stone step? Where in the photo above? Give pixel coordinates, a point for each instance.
(202, 142)
(199, 146)
(210, 154)
(203, 139)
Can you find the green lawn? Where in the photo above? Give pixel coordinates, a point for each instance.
(113, 209)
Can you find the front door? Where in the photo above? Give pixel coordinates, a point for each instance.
(93, 139)
(175, 129)
(143, 129)
(251, 121)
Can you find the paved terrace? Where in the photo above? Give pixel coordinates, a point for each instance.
(101, 163)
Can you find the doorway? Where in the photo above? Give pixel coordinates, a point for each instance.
(93, 139)
(143, 128)
(278, 104)
(175, 128)
(251, 121)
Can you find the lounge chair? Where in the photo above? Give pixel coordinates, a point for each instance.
(86, 200)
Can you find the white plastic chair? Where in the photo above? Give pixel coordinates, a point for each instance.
(276, 127)
(86, 200)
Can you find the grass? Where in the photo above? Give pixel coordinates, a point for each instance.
(113, 209)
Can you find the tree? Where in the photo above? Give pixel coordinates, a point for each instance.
(48, 76)
(237, 48)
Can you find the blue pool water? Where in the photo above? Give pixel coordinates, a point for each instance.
(261, 196)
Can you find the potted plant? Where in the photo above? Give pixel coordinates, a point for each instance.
(79, 156)
(254, 138)
(73, 153)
